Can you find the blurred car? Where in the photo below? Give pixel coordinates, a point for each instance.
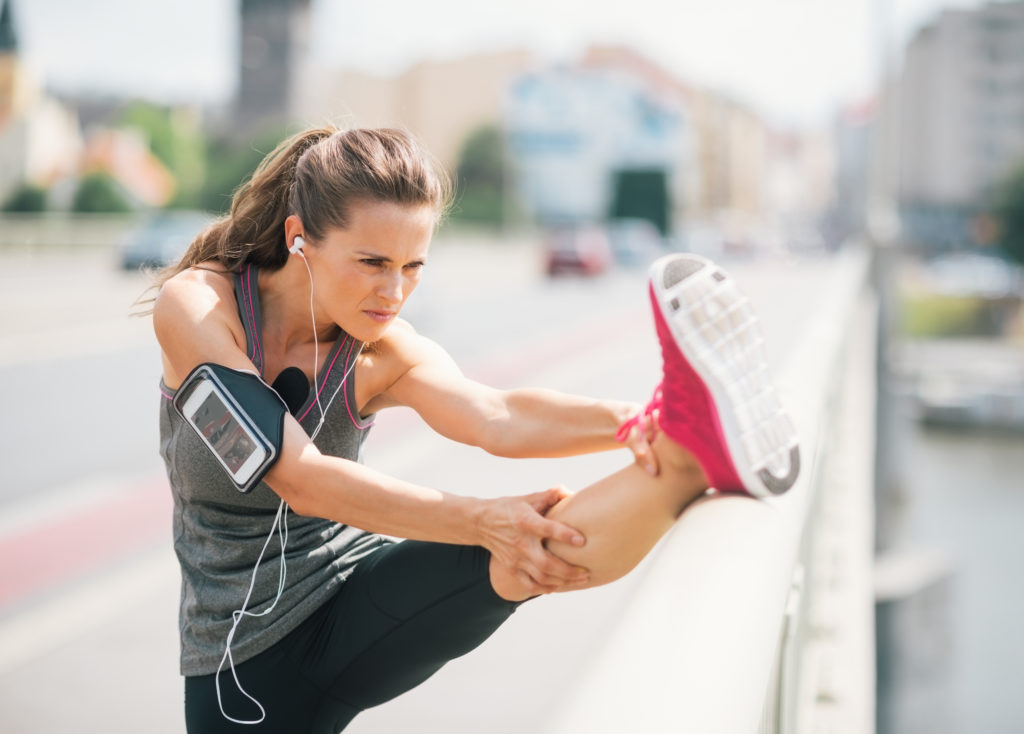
(635, 242)
(162, 239)
(580, 249)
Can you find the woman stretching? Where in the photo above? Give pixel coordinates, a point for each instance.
(300, 288)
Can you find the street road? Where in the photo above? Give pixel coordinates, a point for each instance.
(88, 583)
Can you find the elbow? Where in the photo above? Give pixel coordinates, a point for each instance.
(511, 439)
(510, 451)
(498, 439)
(287, 484)
(300, 503)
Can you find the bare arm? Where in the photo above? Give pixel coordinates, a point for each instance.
(342, 490)
(195, 321)
(519, 423)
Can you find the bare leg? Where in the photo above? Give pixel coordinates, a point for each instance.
(622, 517)
(715, 398)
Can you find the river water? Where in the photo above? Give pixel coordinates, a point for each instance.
(952, 654)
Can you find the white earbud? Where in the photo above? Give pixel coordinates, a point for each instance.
(297, 244)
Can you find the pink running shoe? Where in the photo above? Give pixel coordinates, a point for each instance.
(717, 398)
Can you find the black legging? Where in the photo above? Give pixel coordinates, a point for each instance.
(405, 611)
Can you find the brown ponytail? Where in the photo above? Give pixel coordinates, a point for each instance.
(316, 174)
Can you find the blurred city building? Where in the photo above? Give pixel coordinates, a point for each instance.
(853, 132)
(11, 77)
(587, 137)
(722, 176)
(961, 125)
(39, 136)
(743, 178)
(273, 52)
(693, 170)
(594, 143)
(800, 190)
(649, 144)
(711, 159)
(440, 101)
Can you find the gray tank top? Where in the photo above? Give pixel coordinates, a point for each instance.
(219, 532)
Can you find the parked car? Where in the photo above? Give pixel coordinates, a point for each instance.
(635, 242)
(581, 249)
(162, 239)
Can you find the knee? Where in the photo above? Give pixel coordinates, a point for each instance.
(508, 585)
(602, 555)
(616, 540)
(603, 562)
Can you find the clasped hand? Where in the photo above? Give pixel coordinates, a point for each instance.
(515, 529)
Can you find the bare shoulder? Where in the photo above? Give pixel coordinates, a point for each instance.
(195, 289)
(396, 355)
(196, 320)
(405, 348)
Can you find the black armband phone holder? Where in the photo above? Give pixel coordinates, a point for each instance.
(238, 416)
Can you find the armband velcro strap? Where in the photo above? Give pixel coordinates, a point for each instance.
(238, 416)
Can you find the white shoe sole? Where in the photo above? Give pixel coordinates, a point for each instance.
(716, 329)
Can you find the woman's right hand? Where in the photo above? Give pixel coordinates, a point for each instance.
(514, 530)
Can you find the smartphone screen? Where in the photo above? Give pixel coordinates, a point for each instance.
(224, 434)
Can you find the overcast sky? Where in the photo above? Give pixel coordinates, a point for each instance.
(792, 59)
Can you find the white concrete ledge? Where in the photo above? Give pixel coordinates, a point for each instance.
(697, 648)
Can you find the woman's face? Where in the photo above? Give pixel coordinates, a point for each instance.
(364, 273)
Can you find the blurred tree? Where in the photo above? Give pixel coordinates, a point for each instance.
(480, 178)
(1008, 210)
(99, 192)
(27, 198)
(230, 162)
(175, 139)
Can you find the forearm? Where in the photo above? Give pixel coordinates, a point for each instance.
(513, 529)
(350, 493)
(545, 423)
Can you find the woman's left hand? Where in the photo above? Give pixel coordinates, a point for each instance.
(638, 437)
(515, 531)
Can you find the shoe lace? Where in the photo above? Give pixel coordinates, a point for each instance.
(644, 415)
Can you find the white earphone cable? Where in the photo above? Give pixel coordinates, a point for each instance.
(280, 526)
(316, 347)
(316, 359)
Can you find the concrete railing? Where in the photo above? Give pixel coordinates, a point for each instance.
(756, 616)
